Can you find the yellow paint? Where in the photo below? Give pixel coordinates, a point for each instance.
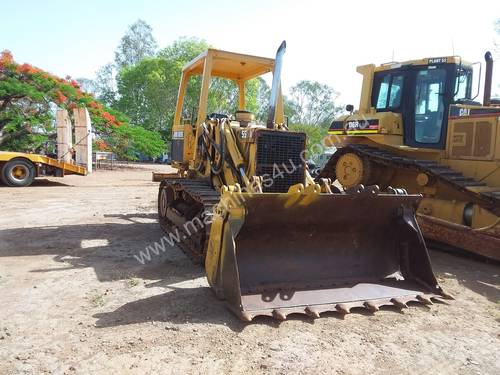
(217, 63)
(472, 148)
(350, 170)
(66, 168)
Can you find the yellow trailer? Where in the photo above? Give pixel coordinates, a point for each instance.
(18, 169)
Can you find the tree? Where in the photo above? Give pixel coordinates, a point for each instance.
(315, 135)
(258, 93)
(184, 49)
(137, 44)
(310, 108)
(312, 103)
(29, 97)
(104, 84)
(131, 141)
(87, 85)
(224, 94)
(148, 92)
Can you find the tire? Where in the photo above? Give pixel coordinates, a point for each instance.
(18, 173)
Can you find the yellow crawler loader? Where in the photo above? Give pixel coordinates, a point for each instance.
(244, 205)
(419, 127)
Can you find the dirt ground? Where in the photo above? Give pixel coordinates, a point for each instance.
(73, 299)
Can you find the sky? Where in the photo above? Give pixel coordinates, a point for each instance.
(326, 40)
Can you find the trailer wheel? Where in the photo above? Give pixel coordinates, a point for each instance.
(18, 173)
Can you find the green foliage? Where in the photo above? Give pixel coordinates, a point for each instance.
(29, 97)
(145, 89)
(104, 86)
(130, 141)
(184, 50)
(310, 109)
(312, 103)
(223, 97)
(148, 93)
(258, 100)
(86, 84)
(148, 90)
(315, 135)
(137, 44)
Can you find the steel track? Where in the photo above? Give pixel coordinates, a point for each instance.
(441, 173)
(202, 199)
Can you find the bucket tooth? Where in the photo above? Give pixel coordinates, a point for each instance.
(371, 306)
(399, 303)
(246, 317)
(447, 295)
(439, 299)
(342, 308)
(424, 299)
(324, 262)
(312, 312)
(279, 315)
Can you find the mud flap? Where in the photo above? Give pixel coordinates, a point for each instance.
(309, 252)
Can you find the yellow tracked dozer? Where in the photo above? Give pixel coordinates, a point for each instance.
(419, 127)
(244, 205)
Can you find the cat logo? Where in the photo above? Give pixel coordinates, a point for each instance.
(464, 112)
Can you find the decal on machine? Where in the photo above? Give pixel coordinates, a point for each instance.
(464, 112)
(244, 134)
(362, 125)
(358, 126)
(178, 135)
(438, 60)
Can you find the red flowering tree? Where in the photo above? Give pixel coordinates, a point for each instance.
(29, 97)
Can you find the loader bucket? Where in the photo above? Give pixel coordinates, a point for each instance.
(310, 252)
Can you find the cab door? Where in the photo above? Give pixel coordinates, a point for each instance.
(427, 104)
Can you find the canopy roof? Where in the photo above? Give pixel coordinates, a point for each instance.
(230, 65)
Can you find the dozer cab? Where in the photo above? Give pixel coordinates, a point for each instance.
(244, 205)
(419, 127)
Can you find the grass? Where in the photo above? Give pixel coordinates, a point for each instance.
(131, 282)
(98, 300)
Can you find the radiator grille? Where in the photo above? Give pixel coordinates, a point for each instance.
(177, 150)
(279, 151)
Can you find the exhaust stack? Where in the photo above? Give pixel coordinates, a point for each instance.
(488, 77)
(276, 85)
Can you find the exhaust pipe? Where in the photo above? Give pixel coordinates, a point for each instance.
(275, 88)
(488, 77)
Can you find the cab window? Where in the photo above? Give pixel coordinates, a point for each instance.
(396, 92)
(383, 91)
(463, 84)
(389, 92)
(429, 105)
